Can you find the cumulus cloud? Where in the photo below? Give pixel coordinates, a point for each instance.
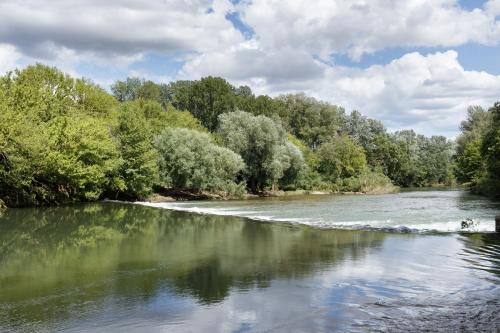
(288, 46)
(8, 57)
(324, 27)
(248, 60)
(110, 28)
(429, 93)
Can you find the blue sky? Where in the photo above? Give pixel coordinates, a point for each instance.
(414, 63)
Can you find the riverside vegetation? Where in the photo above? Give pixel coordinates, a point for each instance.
(64, 140)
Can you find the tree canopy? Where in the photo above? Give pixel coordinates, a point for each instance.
(64, 139)
(190, 160)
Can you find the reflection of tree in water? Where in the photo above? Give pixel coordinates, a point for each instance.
(482, 252)
(81, 254)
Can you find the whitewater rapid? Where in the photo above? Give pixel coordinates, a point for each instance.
(431, 211)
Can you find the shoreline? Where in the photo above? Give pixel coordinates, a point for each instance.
(176, 195)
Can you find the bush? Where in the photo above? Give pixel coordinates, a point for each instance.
(368, 182)
(191, 160)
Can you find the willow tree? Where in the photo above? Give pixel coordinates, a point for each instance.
(263, 145)
(191, 160)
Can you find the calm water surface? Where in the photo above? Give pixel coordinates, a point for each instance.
(113, 267)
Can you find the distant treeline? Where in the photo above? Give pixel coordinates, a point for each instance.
(64, 139)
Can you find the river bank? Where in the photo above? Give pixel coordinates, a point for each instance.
(180, 195)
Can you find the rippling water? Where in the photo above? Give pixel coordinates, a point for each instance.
(113, 267)
(425, 210)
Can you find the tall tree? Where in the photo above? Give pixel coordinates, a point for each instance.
(139, 169)
(263, 145)
(206, 99)
(340, 158)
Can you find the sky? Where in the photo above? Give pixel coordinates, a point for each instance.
(411, 64)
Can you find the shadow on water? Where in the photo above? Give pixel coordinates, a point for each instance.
(64, 262)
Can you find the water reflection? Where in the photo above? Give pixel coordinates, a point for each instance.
(482, 252)
(62, 263)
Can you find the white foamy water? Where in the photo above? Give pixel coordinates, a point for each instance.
(417, 211)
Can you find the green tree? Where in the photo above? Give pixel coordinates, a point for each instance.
(390, 157)
(206, 99)
(159, 118)
(340, 158)
(134, 88)
(310, 120)
(473, 128)
(82, 160)
(469, 164)
(190, 160)
(490, 150)
(55, 138)
(139, 170)
(262, 143)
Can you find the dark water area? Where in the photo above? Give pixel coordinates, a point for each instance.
(111, 267)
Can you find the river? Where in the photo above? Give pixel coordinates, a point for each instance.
(266, 265)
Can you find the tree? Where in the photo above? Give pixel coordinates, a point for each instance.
(190, 160)
(473, 128)
(55, 138)
(158, 118)
(491, 142)
(206, 99)
(134, 88)
(390, 157)
(310, 120)
(364, 132)
(292, 163)
(469, 164)
(262, 143)
(340, 158)
(490, 150)
(82, 160)
(139, 169)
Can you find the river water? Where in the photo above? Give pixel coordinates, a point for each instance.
(412, 211)
(113, 267)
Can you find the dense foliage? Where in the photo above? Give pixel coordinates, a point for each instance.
(190, 160)
(478, 150)
(263, 145)
(55, 140)
(64, 139)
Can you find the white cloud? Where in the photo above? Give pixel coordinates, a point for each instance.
(429, 93)
(289, 52)
(324, 27)
(493, 7)
(247, 61)
(116, 27)
(8, 57)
